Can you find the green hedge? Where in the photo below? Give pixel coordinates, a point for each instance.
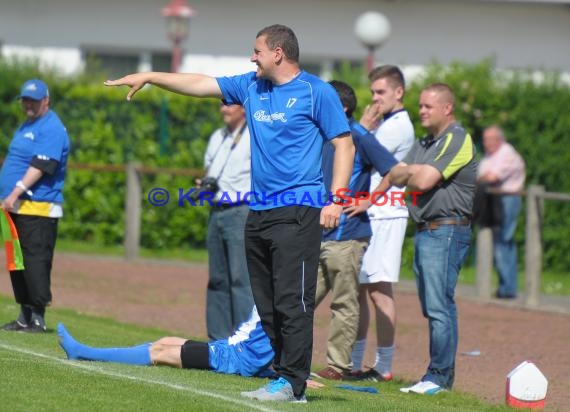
(105, 129)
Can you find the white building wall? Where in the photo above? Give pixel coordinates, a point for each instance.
(517, 34)
(68, 60)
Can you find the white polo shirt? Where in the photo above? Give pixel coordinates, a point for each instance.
(396, 133)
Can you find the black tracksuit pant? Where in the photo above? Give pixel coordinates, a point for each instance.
(37, 234)
(282, 247)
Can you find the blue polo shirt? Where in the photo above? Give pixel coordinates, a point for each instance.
(369, 154)
(45, 138)
(288, 125)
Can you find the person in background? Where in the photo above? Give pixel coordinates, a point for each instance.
(503, 169)
(31, 189)
(228, 163)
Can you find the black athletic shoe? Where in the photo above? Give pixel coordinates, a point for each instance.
(371, 375)
(14, 326)
(35, 327)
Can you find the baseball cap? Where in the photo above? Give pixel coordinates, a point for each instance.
(34, 89)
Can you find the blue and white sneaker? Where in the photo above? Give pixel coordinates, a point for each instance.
(423, 388)
(253, 394)
(279, 390)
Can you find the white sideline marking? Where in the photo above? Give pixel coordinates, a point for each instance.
(135, 378)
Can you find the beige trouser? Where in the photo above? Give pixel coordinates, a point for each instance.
(339, 267)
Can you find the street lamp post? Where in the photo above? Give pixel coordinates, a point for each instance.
(177, 15)
(372, 29)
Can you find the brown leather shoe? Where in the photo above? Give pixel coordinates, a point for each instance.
(328, 373)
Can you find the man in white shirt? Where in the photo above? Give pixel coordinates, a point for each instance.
(381, 262)
(228, 161)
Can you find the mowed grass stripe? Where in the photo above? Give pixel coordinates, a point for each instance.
(102, 371)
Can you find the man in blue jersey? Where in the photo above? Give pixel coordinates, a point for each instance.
(290, 114)
(31, 185)
(247, 352)
(342, 248)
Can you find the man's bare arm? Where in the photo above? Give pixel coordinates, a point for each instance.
(425, 178)
(342, 169)
(401, 173)
(30, 178)
(190, 84)
(343, 161)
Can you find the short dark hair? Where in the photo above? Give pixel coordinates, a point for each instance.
(444, 90)
(347, 96)
(278, 35)
(392, 73)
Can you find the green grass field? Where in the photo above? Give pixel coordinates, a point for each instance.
(37, 376)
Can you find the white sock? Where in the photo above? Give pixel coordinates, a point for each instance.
(358, 354)
(384, 355)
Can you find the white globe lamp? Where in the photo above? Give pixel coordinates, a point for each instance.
(372, 29)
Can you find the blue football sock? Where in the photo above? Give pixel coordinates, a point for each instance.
(135, 355)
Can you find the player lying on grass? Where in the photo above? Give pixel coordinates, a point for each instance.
(247, 352)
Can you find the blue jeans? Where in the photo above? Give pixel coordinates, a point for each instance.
(438, 257)
(229, 296)
(505, 250)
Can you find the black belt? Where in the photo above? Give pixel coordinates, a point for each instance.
(224, 206)
(434, 224)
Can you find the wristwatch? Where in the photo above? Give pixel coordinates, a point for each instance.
(337, 200)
